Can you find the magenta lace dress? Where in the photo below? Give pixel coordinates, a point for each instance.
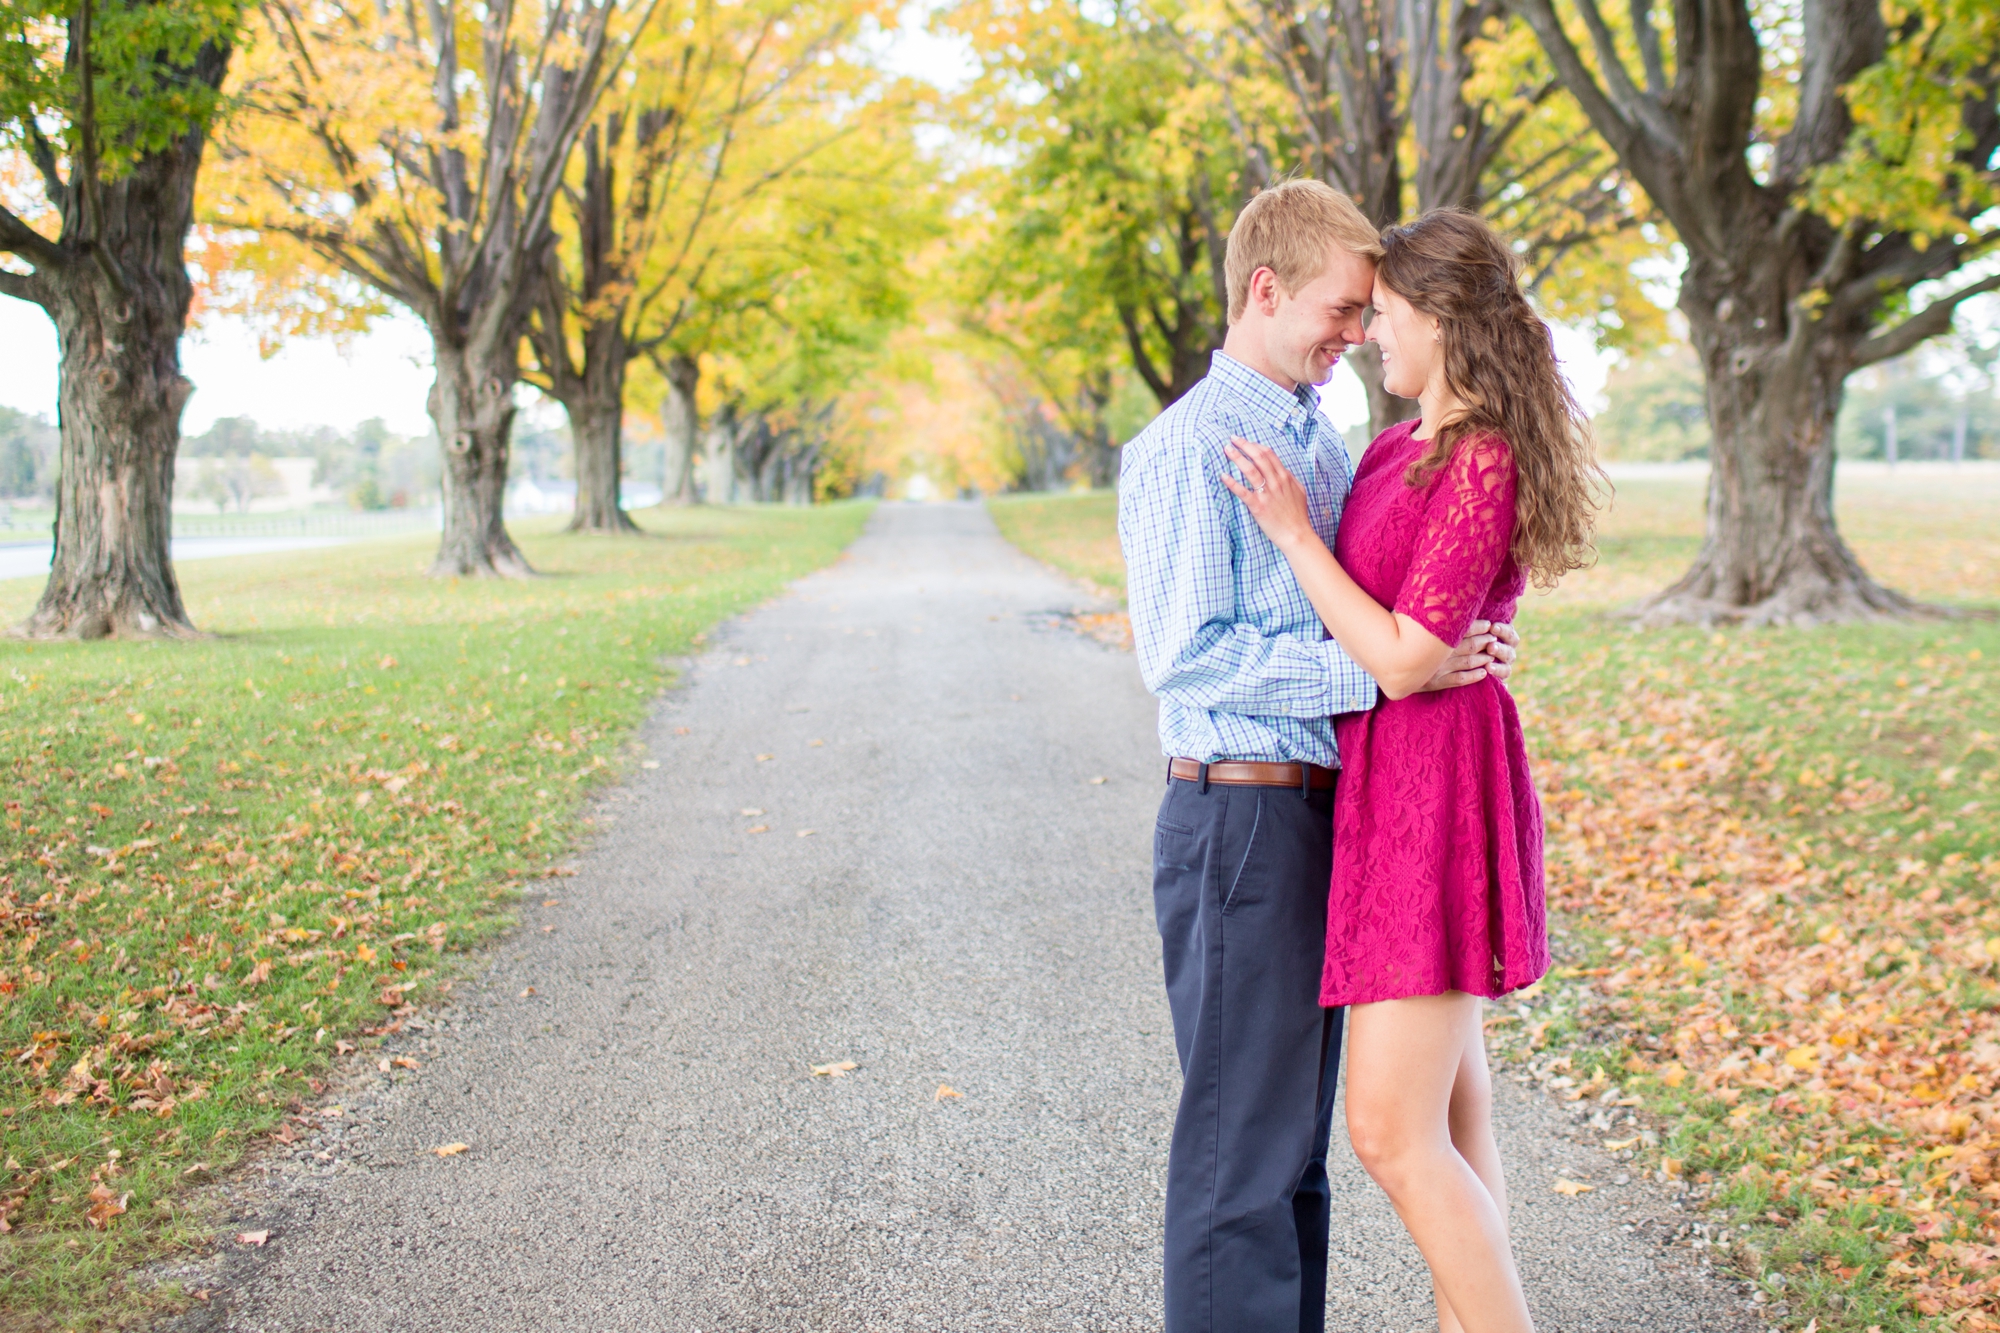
(1437, 835)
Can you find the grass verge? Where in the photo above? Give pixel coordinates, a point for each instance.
(1077, 533)
(1774, 861)
(224, 859)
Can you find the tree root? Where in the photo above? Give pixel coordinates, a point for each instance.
(1800, 603)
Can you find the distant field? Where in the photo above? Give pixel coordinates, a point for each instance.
(1932, 531)
(222, 861)
(1774, 859)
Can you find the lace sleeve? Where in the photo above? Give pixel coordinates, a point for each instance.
(1468, 526)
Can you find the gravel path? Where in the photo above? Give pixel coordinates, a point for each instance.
(951, 891)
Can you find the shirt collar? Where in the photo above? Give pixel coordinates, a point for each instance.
(1287, 406)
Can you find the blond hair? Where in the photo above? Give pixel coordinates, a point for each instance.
(1292, 228)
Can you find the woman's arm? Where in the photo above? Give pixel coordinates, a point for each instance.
(1398, 652)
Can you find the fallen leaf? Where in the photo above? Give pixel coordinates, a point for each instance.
(526, 993)
(807, 832)
(404, 1062)
(452, 1149)
(382, 1065)
(1620, 1145)
(104, 1205)
(763, 757)
(649, 763)
(750, 812)
(252, 1237)
(343, 1048)
(814, 744)
(838, 1069)
(552, 902)
(758, 828)
(1572, 1188)
(946, 1090)
(259, 974)
(1099, 782)
(680, 731)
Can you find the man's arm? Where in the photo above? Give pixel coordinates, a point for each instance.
(1180, 586)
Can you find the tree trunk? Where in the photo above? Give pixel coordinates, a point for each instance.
(472, 407)
(1385, 409)
(719, 460)
(1772, 554)
(596, 407)
(120, 400)
(682, 422)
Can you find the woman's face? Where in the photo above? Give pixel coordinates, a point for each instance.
(1411, 353)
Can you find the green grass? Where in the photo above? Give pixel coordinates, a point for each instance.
(1077, 533)
(222, 858)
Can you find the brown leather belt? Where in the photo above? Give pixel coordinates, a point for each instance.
(1232, 773)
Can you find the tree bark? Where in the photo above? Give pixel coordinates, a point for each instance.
(119, 299)
(472, 407)
(681, 420)
(120, 406)
(596, 406)
(1772, 554)
(1385, 409)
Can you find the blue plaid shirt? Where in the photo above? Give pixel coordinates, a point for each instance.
(1226, 637)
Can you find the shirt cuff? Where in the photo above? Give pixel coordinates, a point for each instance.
(1352, 689)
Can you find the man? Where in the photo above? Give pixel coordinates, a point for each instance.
(1248, 683)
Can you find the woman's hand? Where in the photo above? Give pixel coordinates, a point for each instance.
(1271, 493)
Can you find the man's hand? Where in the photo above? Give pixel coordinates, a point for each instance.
(1486, 650)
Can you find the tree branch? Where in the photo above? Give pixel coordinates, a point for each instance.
(21, 239)
(1639, 108)
(1648, 39)
(21, 286)
(1141, 361)
(1841, 38)
(1610, 119)
(44, 155)
(1932, 320)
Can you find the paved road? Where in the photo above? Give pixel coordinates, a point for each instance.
(971, 910)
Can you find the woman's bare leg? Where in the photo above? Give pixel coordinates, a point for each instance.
(1471, 1118)
(1407, 1116)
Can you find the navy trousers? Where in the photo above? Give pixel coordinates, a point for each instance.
(1240, 880)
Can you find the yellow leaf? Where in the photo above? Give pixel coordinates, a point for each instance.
(1802, 1057)
(838, 1069)
(1572, 1188)
(1619, 1145)
(946, 1090)
(1674, 1074)
(451, 1149)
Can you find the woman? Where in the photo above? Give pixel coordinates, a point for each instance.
(1437, 896)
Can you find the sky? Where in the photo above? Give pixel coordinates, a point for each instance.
(386, 372)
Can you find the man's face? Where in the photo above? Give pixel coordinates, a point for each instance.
(1313, 327)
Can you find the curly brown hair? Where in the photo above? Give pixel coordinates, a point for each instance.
(1501, 363)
